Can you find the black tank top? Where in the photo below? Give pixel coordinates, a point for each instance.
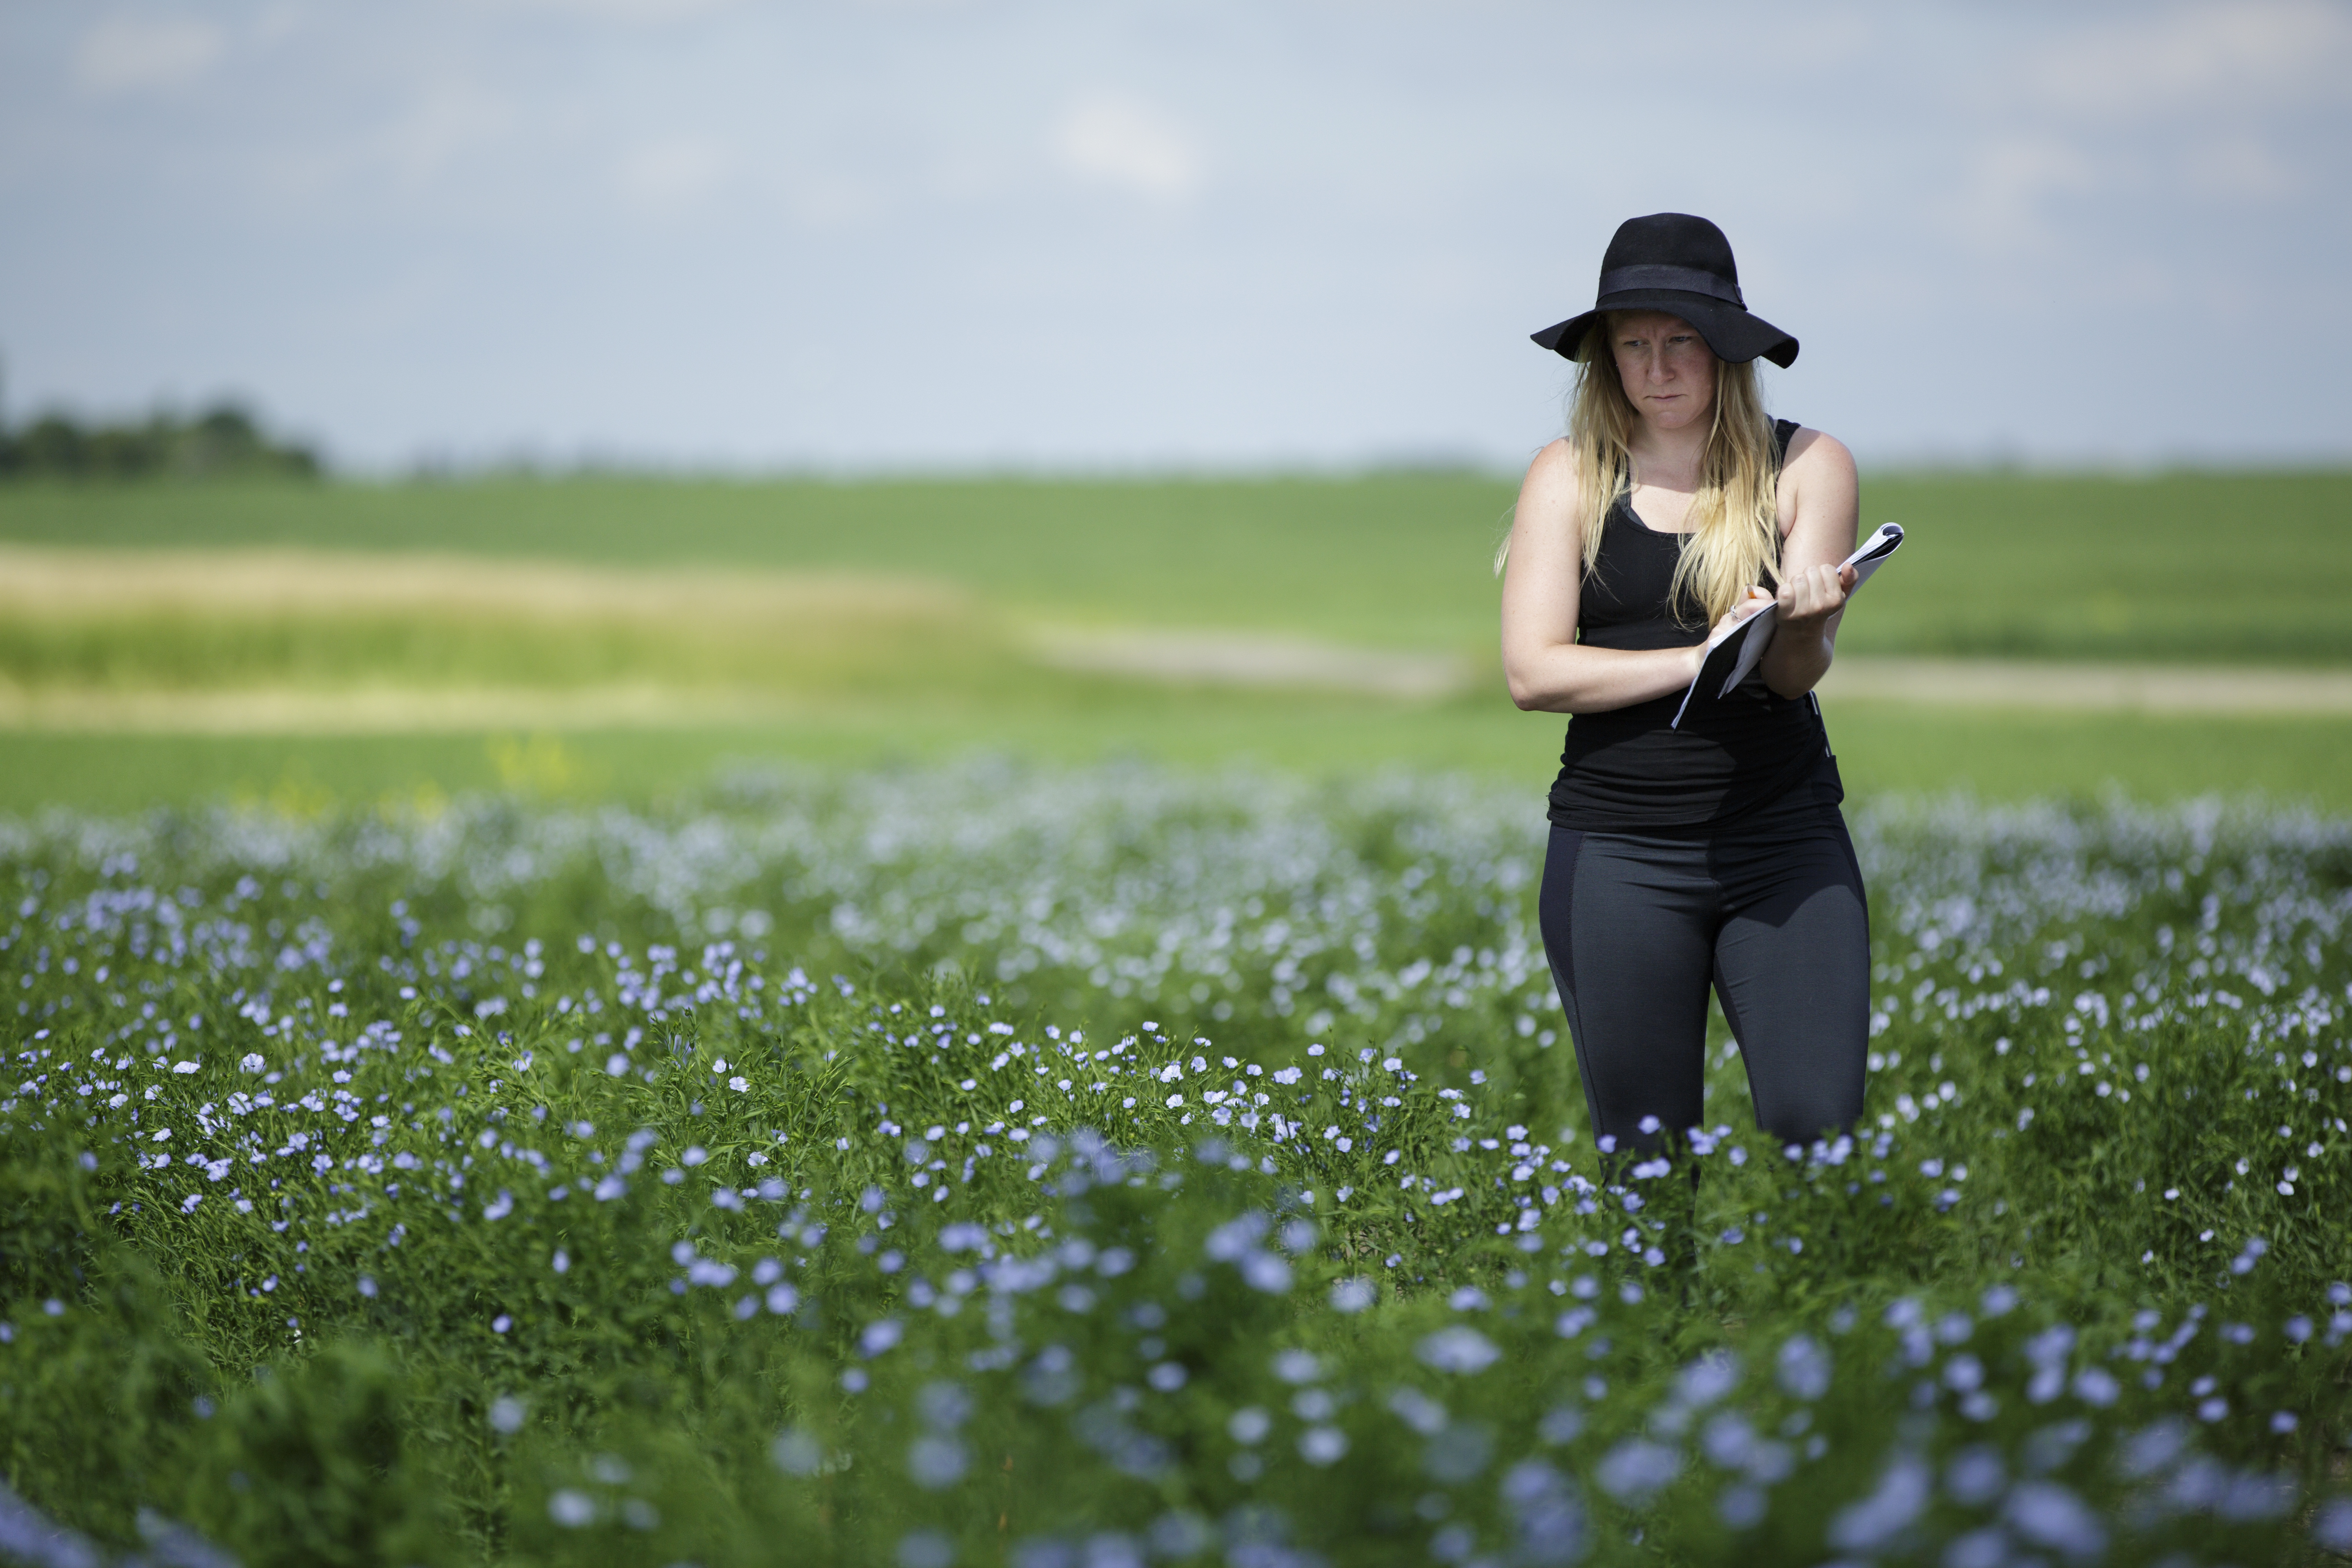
(1629, 769)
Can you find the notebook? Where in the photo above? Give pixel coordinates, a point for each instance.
(1733, 652)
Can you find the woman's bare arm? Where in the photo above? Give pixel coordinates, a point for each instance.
(1819, 511)
(1547, 668)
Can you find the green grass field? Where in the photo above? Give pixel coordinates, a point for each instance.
(1881, 749)
(2200, 566)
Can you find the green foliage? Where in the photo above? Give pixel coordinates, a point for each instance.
(222, 441)
(314, 1461)
(2176, 567)
(985, 1165)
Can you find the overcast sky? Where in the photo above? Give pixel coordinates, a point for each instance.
(861, 235)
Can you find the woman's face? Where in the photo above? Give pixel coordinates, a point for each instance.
(1667, 367)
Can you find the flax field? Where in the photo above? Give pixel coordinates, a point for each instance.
(1102, 1166)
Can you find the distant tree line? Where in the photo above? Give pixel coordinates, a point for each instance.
(222, 441)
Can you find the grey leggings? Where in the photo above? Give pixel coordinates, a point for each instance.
(1771, 912)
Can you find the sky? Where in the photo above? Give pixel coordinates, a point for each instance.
(1224, 234)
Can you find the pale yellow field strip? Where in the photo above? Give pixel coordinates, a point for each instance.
(387, 711)
(87, 584)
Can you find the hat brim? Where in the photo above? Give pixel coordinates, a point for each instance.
(1732, 333)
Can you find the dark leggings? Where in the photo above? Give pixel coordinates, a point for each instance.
(1772, 911)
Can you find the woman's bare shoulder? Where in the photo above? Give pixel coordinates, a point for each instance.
(1818, 481)
(1555, 458)
(1813, 451)
(1553, 469)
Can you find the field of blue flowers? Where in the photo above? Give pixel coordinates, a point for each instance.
(979, 1165)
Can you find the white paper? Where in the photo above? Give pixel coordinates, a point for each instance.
(1755, 634)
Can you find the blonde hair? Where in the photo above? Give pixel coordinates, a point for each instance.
(1734, 538)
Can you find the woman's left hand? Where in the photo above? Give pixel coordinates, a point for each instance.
(1751, 604)
(1811, 597)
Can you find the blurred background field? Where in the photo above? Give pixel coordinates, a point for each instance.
(171, 641)
(2180, 566)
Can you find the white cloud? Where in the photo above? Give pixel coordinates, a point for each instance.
(673, 172)
(836, 203)
(2248, 53)
(124, 54)
(281, 20)
(2241, 168)
(1999, 207)
(451, 119)
(1121, 141)
(626, 10)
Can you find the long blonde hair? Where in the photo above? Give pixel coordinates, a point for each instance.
(1734, 538)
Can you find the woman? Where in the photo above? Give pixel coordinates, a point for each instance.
(1714, 851)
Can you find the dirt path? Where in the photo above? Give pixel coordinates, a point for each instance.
(1249, 658)
(2111, 688)
(384, 710)
(1212, 658)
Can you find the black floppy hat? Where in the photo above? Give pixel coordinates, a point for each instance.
(1681, 265)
